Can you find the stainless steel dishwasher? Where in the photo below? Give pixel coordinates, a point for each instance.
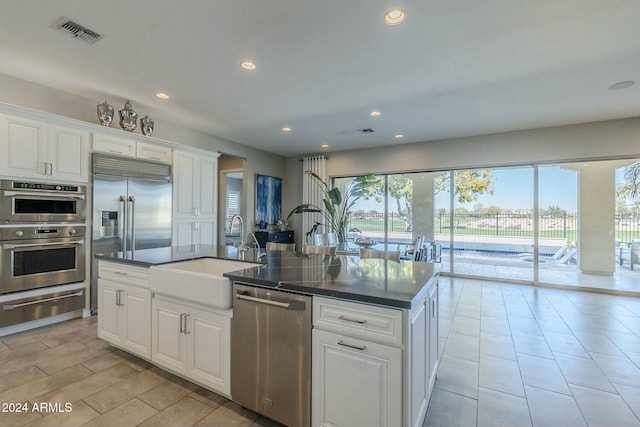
(271, 353)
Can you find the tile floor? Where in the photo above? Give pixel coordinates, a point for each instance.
(512, 355)
(515, 355)
(67, 363)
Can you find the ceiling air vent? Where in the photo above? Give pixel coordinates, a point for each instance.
(78, 31)
(367, 130)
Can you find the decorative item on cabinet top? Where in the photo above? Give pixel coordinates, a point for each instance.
(128, 117)
(105, 114)
(146, 125)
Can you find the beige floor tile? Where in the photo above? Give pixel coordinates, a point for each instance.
(28, 337)
(186, 412)
(89, 385)
(20, 377)
(79, 414)
(129, 414)
(209, 398)
(228, 415)
(22, 351)
(11, 419)
(501, 409)
(592, 402)
(448, 409)
(35, 388)
(105, 361)
(41, 354)
(550, 409)
(55, 364)
(166, 394)
(115, 395)
(71, 336)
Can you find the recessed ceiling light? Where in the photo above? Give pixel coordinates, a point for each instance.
(286, 129)
(621, 85)
(394, 16)
(398, 136)
(375, 113)
(325, 146)
(162, 95)
(248, 65)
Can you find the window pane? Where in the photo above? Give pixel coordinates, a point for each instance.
(493, 223)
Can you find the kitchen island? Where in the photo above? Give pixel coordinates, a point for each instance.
(385, 311)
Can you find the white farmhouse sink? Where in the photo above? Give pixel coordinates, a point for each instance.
(198, 280)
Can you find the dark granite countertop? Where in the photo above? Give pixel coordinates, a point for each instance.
(157, 256)
(377, 281)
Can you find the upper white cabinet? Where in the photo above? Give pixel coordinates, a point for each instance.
(195, 198)
(36, 149)
(120, 145)
(127, 145)
(159, 153)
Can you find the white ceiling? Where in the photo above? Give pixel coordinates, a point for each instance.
(454, 68)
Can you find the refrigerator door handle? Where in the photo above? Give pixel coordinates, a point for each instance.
(132, 218)
(123, 202)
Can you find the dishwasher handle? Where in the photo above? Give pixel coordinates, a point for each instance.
(293, 305)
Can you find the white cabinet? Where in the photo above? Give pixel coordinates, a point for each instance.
(355, 382)
(193, 342)
(129, 146)
(68, 153)
(124, 307)
(35, 149)
(155, 152)
(195, 198)
(373, 365)
(120, 145)
(422, 354)
(357, 374)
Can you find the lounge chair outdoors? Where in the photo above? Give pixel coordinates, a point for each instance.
(562, 255)
(630, 254)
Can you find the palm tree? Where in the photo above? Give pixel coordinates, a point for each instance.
(630, 189)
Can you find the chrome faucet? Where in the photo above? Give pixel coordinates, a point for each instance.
(259, 253)
(233, 220)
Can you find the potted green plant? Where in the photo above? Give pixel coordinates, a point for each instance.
(337, 207)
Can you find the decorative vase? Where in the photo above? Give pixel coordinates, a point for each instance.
(146, 125)
(128, 117)
(105, 114)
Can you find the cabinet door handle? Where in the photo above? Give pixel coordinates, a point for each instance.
(118, 297)
(186, 332)
(355, 347)
(433, 308)
(346, 319)
(181, 323)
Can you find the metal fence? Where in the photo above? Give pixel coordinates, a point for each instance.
(564, 226)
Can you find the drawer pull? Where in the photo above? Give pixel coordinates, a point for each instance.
(41, 301)
(355, 347)
(122, 273)
(346, 319)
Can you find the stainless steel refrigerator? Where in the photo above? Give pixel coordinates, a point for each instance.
(131, 208)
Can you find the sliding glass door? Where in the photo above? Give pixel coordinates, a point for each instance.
(492, 223)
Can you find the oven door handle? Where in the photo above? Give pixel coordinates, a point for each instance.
(45, 195)
(6, 307)
(33, 245)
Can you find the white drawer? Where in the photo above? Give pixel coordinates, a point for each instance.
(358, 320)
(124, 273)
(154, 152)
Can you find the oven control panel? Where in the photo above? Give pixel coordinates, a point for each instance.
(42, 232)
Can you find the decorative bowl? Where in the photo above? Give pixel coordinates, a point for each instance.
(365, 242)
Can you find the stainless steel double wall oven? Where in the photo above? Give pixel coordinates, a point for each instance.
(42, 245)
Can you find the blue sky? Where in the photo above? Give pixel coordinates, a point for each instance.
(513, 190)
